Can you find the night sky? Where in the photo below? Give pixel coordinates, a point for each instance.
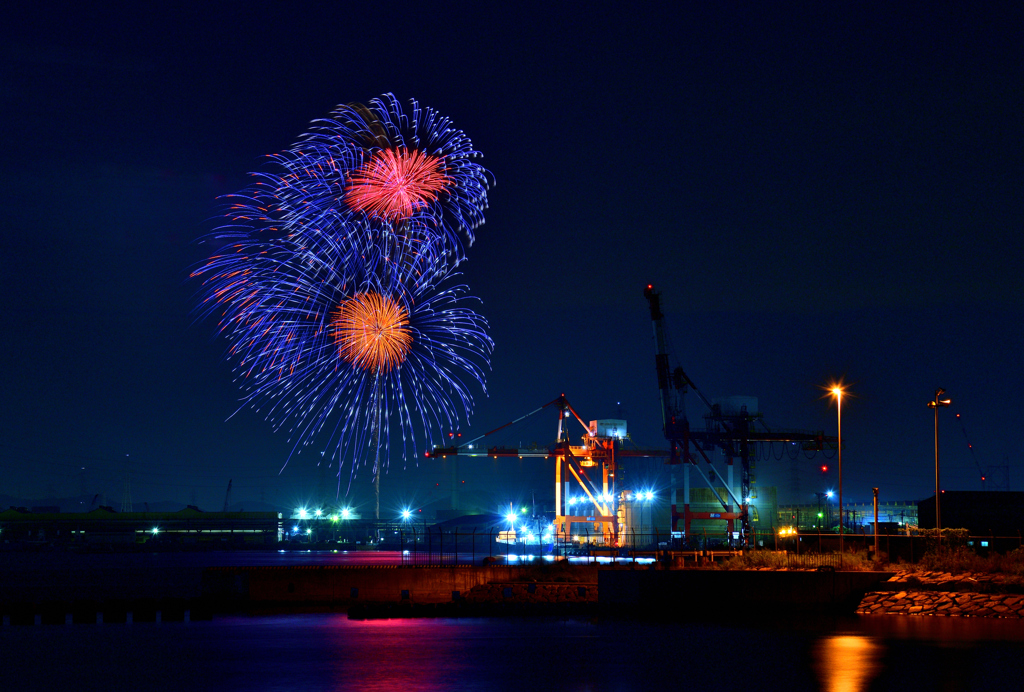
(819, 192)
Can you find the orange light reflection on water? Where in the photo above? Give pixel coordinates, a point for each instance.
(847, 663)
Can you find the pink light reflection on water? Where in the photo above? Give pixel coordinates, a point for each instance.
(404, 654)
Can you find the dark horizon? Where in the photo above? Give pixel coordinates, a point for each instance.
(818, 193)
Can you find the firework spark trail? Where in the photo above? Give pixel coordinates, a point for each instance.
(280, 323)
(372, 332)
(394, 184)
(373, 165)
(384, 126)
(332, 288)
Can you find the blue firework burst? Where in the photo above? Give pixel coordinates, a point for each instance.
(377, 167)
(335, 284)
(278, 304)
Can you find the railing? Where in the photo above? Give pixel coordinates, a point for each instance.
(812, 560)
(436, 547)
(439, 547)
(907, 546)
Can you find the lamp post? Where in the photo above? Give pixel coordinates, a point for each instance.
(875, 507)
(935, 406)
(837, 392)
(821, 515)
(645, 497)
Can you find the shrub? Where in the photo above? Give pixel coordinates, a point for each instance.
(770, 559)
(757, 559)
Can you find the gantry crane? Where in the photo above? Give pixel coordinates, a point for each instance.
(734, 431)
(573, 464)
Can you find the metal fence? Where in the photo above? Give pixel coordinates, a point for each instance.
(909, 547)
(439, 547)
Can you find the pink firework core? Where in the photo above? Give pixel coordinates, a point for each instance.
(395, 183)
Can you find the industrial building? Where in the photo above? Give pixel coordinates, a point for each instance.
(824, 515)
(701, 514)
(981, 512)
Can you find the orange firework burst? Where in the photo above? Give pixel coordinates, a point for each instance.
(395, 183)
(372, 332)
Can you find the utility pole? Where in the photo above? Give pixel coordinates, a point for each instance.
(875, 503)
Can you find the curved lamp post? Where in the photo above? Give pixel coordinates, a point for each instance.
(935, 406)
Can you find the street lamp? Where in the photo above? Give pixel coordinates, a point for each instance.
(837, 392)
(935, 406)
(646, 497)
(828, 509)
(821, 515)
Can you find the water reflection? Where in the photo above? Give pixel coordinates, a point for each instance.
(847, 663)
(943, 630)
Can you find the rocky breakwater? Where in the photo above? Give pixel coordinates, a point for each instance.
(946, 595)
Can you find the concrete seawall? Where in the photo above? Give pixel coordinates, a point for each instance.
(614, 590)
(110, 588)
(340, 586)
(697, 592)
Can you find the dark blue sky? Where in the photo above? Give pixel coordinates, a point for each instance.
(819, 191)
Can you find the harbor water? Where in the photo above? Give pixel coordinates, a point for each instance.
(327, 651)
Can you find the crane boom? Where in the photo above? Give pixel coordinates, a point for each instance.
(730, 431)
(668, 411)
(673, 415)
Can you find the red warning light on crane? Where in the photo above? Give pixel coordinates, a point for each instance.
(824, 468)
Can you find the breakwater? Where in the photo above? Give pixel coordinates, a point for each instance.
(945, 595)
(943, 603)
(340, 587)
(110, 611)
(612, 590)
(55, 587)
(495, 599)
